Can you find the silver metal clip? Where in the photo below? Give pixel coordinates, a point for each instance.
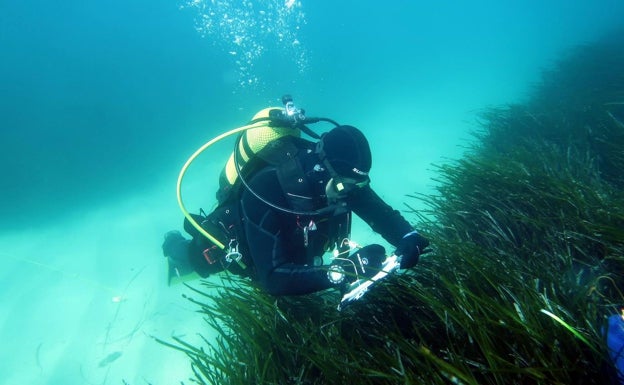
(233, 255)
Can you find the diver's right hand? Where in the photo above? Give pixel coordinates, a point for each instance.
(410, 247)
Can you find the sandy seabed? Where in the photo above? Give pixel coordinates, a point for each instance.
(83, 299)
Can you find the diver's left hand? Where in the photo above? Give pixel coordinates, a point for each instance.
(368, 259)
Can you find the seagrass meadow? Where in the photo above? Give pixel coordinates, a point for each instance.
(527, 231)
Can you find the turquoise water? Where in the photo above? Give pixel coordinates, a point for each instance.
(102, 102)
(98, 97)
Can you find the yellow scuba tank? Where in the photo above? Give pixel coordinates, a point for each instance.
(266, 126)
(250, 143)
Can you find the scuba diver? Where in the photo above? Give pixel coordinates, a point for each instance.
(284, 202)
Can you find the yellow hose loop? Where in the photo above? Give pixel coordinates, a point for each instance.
(188, 163)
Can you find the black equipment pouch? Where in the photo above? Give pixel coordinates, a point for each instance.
(223, 225)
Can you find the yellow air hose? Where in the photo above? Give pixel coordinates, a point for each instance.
(188, 163)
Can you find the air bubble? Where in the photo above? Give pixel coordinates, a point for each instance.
(246, 29)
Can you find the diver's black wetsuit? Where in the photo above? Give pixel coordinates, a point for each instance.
(275, 240)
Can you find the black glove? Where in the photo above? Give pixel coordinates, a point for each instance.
(364, 263)
(410, 247)
(368, 259)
